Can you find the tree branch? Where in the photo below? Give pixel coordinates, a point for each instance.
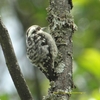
(61, 28)
(13, 65)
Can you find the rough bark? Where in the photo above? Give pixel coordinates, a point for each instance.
(13, 65)
(62, 27)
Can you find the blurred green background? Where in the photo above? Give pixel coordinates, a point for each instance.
(18, 15)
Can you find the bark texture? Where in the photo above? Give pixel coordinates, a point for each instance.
(13, 65)
(62, 27)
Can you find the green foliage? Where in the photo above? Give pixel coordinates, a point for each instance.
(4, 97)
(90, 60)
(87, 49)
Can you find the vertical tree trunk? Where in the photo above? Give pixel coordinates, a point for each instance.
(61, 27)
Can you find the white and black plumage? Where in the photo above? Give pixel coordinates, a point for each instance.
(41, 50)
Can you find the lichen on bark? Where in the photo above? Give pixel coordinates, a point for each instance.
(62, 27)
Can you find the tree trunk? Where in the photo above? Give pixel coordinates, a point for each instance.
(62, 27)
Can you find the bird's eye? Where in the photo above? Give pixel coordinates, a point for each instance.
(38, 28)
(34, 32)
